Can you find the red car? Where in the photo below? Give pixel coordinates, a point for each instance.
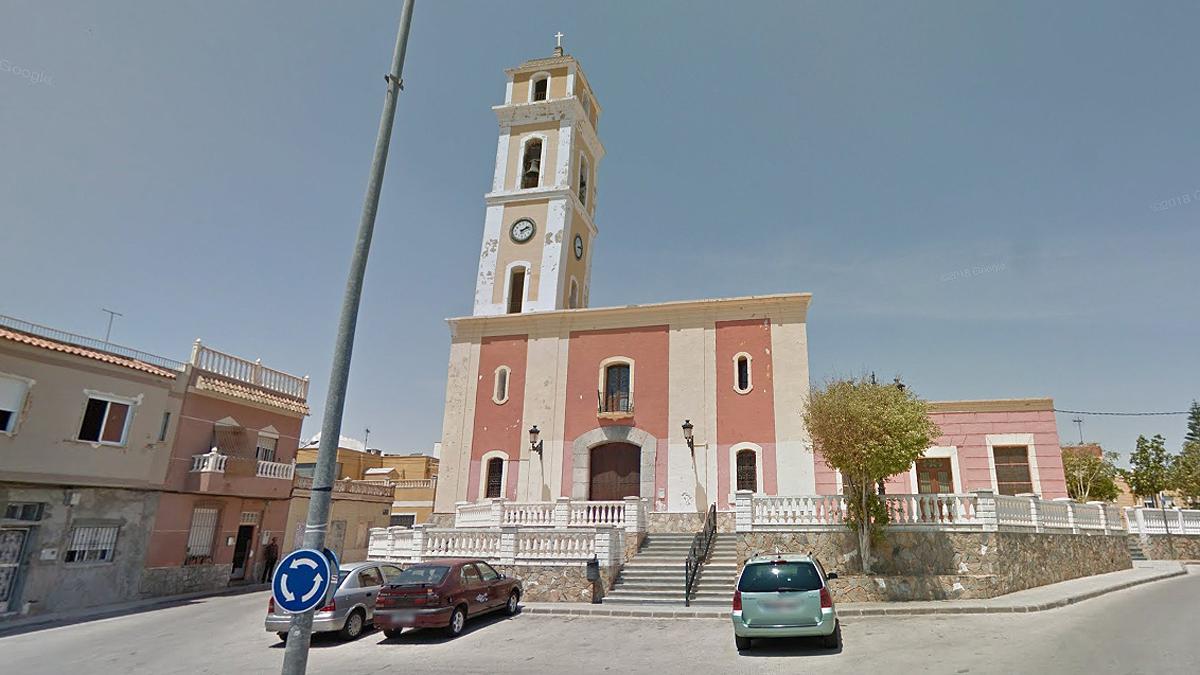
(444, 594)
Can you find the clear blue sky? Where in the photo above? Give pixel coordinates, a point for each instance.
(200, 167)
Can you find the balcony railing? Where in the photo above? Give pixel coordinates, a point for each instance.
(628, 514)
(614, 402)
(214, 462)
(353, 487)
(1158, 521)
(87, 342)
(249, 372)
(209, 461)
(275, 470)
(505, 546)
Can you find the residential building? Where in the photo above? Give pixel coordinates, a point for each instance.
(413, 477)
(229, 483)
(85, 436)
(355, 508)
(679, 403)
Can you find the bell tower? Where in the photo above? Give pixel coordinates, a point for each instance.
(538, 229)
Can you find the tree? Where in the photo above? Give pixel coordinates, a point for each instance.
(1148, 467)
(1193, 424)
(1184, 475)
(1090, 477)
(868, 431)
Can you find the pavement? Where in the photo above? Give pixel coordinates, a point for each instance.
(1030, 600)
(1149, 628)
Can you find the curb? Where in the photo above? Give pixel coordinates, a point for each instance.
(119, 609)
(850, 611)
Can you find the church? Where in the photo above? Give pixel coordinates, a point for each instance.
(680, 403)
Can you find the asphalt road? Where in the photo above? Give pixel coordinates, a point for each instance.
(1153, 628)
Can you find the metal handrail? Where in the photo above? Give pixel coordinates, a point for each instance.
(701, 548)
(22, 326)
(617, 402)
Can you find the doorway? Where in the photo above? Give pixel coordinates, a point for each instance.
(241, 551)
(12, 547)
(934, 476)
(615, 470)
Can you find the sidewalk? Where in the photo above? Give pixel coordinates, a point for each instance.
(1030, 600)
(25, 624)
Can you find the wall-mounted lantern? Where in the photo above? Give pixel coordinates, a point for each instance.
(534, 443)
(688, 436)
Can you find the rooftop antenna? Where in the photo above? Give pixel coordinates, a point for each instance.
(1079, 423)
(111, 314)
(366, 435)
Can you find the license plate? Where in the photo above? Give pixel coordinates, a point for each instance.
(780, 605)
(405, 615)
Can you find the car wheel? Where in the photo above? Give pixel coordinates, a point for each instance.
(834, 639)
(392, 633)
(282, 636)
(458, 619)
(354, 625)
(514, 600)
(743, 643)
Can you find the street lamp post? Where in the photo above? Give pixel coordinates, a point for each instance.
(295, 657)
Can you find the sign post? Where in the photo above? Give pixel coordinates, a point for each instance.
(301, 581)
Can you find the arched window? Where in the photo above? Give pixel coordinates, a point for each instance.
(747, 470)
(541, 88)
(742, 382)
(583, 179)
(495, 478)
(531, 164)
(516, 290)
(573, 295)
(500, 389)
(618, 392)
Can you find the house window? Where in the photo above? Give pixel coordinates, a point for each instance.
(1012, 470)
(162, 431)
(12, 400)
(200, 536)
(105, 421)
(30, 511)
(617, 395)
(741, 373)
(531, 164)
(92, 544)
(583, 179)
(541, 87)
(573, 296)
(747, 470)
(264, 450)
(500, 391)
(516, 290)
(404, 520)
(495, 478)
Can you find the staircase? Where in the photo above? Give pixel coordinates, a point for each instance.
(1135, 547)
(655, 575)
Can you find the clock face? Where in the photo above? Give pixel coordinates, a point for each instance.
(578, 247)
(522, 230)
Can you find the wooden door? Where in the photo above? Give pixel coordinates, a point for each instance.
(615, 472)
(934, 476)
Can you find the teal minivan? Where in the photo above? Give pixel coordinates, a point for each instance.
(784, 595)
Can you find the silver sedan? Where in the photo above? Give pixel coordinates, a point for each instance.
(352, 608)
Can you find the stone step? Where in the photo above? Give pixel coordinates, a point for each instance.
(667, 593)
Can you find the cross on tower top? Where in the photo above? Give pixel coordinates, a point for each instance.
(558, 50)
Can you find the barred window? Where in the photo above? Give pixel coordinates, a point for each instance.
(200, 537)
(747, 470)
(265, 450)
(1012, 470)
(92, 544)
(495, 478)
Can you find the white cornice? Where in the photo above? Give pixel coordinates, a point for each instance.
(553, 110)
(547, 193)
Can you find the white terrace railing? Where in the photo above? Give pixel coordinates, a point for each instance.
(948, 512)
(502, 546)
(249, 372)
(351, 487)
(628, 514)
(1155, 521)
(275, 470)
(210, 461)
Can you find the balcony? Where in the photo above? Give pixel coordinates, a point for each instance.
(214, 462)
(374, 491)
(614, 403)
(248, 372)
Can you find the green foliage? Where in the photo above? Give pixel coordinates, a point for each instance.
(1149, 465)
(1090, 478)
(1184, 476)
(1193, 424)
(868, 431)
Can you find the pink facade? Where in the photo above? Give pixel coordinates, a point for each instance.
(745, 416)
(498, 423)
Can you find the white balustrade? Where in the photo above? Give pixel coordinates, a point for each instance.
(627, 514)
(211, 461)
(804, 510)
(551, 546)
(1054, 515)
(528, 514)
(931, 509)
(1147, 521)
(250, 372)
(275, 470)
(461, 543)
(591, 514)
(1015, 512)
(474, 515)
(1088, 516)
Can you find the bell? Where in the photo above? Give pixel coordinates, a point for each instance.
(535, 167)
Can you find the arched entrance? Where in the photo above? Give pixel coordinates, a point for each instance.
(613, 434)
(615, 472)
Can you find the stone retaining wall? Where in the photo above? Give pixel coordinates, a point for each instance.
(159, 581)
(1174, 547)
(559, 583)
(929, 565)
(665, 523)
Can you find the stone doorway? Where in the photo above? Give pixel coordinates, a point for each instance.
(615, 472)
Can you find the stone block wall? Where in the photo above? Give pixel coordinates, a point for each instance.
(559, 583)
(160, 581)
(665, 522)
(931, 565)
(1175, 547)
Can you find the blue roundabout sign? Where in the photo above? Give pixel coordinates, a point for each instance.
(301, 581)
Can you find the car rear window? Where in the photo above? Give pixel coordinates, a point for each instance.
(772, 577)
(426, 574)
